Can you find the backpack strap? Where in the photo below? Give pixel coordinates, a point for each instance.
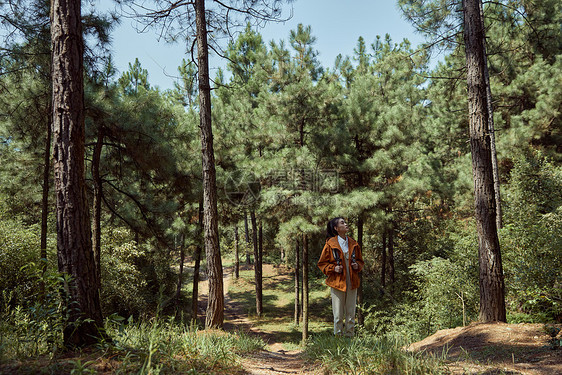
(337, 256)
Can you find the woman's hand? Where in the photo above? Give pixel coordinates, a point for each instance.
(338, 269)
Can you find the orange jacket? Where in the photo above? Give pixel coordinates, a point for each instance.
(327, 263)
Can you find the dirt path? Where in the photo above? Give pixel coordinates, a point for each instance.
(274, 359)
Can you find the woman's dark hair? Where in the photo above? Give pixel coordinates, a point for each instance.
(330, 231)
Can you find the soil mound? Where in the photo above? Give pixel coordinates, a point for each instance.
(494, 348)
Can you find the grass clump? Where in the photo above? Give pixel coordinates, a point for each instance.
(164, 346)
(156, 346)
(368, 355)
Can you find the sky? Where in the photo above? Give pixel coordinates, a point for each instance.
(336, 24)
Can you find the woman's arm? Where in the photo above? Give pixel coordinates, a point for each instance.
(325, 263)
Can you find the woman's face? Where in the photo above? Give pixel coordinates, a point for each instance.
(341, 227)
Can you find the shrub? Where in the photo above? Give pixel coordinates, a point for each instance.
(448, 286)
(19, 247)
(532, 238)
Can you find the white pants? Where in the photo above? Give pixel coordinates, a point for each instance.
(343, 306)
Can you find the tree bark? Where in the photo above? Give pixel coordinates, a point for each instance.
(257, 266)
(491, 129)
(197, 265)
(96, 228)
(297, 277)
(260, 244)
(236, 253)
(492, 289)
(360, 317)
(304, 288)
(248, 260)
(74, 241)
(215, 304)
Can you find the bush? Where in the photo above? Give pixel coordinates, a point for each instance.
(35, 327)
(123, 286)
(532, 238)
(19, 247)
(448, 286)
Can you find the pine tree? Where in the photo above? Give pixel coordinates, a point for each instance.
(194, 19)
(492, 294)
(73, 225)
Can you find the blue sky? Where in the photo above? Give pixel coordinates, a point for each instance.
(336, 25)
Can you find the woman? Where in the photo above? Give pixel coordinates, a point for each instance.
(341, 261)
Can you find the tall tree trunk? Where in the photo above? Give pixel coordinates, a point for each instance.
(236, 253)
(180, 275)
(45, 200)
(297, 277)
(383, 263)
(492, 290)
(304, 288)
(248, 260)
(96, 228)
(491, 129)
(215, 304)
(74, 241)
(257, 265)
(360, 317)
(197, 265)
(260, 244)
(300, 286)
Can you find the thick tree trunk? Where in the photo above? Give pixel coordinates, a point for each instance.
(360, 317)
(236, 253)
(492, 294)
(197, 265)
(257, 266)
(74, 241)
(491, 129)
(297, 278)
(215, 304)
(304, 288)
(96, 227)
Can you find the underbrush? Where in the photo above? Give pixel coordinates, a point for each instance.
(164, 345)
(157, 346)
(369, 355)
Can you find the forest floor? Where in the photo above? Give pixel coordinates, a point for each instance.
(496, 348)
(275, 358)
(479, 348)
(484, 349)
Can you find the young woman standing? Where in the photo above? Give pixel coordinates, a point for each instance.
(341, 261)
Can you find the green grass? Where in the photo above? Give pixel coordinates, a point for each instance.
(158, 346)
(176, 348)
(369, 355)
(364, 354)
(278, 306)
